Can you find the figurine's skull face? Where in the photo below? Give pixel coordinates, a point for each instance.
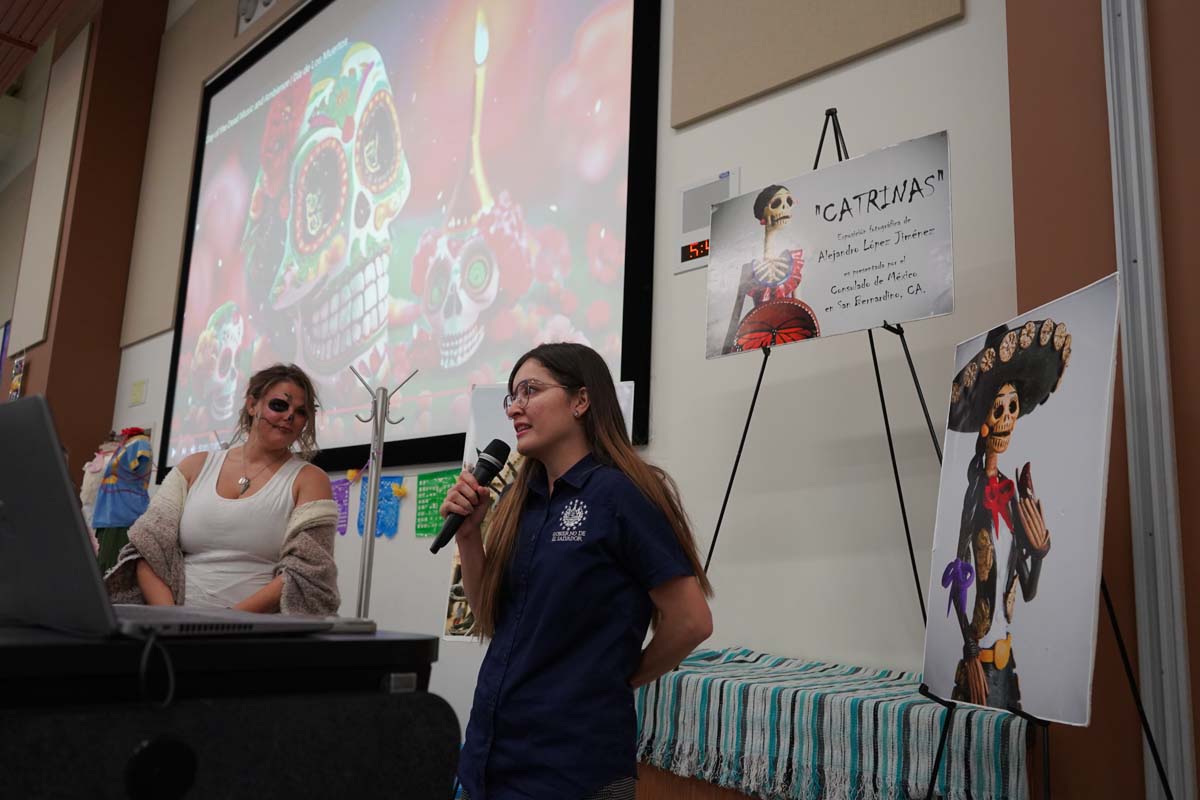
(1006, 407)
(349, 180)
(779, 211)
(462, 285)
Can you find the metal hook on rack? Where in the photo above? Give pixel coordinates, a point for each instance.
(393, 393)
(370, 392)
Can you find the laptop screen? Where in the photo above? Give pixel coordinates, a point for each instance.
(48, 571)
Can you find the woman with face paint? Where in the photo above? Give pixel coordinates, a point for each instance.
(251, 527)
(586, 547)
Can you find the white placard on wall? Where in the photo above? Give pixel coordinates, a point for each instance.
(841, 249)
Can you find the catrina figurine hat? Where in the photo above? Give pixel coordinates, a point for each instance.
(1032, 358)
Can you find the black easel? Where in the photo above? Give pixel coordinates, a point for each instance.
(830, 113)
(1134, 690)
(941, 748)
(843, 153)
(950, 706)
(766, 351)
(1045, 725)
(898, 331)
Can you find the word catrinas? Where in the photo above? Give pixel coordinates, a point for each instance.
(879, 198)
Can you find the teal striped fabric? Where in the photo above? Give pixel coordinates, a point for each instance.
(776, 727)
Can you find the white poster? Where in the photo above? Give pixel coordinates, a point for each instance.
(1017, 543)
(844, 248)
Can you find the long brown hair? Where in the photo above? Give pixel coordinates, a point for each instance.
(577, 366)
(261, 382)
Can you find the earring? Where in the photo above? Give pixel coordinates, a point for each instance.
(577, 413)
(983, 430)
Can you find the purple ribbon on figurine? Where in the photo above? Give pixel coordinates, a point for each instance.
(958, 577)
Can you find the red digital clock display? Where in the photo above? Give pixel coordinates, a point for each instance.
(690, 252)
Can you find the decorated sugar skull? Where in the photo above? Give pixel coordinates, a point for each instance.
(215, 372)
(462, 270)
(462, 286)
(348, 180)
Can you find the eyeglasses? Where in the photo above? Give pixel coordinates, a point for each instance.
(527, 389)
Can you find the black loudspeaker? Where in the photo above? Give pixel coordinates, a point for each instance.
(324, 745)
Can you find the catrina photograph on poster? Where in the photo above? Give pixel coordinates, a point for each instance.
(845, 248)
(1020, 517)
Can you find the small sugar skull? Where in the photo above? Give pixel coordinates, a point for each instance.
(215, 372)
(464, 273)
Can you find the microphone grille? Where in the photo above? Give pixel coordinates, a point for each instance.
(498, 449)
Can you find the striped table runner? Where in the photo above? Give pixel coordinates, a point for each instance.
(785, 728)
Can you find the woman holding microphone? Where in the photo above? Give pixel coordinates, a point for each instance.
(585, 548)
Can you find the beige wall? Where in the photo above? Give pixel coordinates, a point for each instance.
(193, 49)
(14, 209)
(51, 175)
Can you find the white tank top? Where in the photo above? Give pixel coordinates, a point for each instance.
(230, 547)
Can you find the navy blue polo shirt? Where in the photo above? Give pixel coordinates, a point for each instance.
(553, 715)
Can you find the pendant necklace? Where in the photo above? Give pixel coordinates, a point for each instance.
(244, 481)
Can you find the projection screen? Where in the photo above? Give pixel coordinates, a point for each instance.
(394, 185)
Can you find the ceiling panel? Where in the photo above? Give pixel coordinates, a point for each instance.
(24, 26)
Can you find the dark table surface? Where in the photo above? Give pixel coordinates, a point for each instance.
(43, 666)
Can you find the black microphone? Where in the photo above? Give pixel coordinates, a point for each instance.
(491, 461)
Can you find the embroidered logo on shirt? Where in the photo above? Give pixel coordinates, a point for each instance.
(574, 513)
(572, 517)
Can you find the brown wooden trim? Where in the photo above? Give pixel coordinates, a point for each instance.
(1063, 227)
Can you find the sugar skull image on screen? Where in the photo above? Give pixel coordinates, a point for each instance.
(318, 241)
(480, 260)
(413, 192)
(219, 363)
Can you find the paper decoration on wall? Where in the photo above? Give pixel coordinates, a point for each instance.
(1020, 517)
(18, 377)
(387, 518)
(840, 249)
(341, 496)
(431, 491)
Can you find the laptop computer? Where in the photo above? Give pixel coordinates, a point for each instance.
(48, 572)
